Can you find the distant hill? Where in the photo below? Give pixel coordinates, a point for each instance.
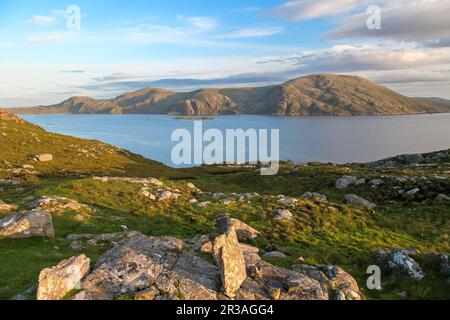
(315, 95)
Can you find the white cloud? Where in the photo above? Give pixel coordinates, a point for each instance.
(311, 9)
(202, 23)
(49, 37)
(41, 20)
(253, 32)
(413, 21)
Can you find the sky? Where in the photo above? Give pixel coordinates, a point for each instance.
(51, 50)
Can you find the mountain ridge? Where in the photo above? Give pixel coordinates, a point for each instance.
(314, 95)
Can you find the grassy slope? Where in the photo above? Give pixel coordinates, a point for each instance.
(345, 237)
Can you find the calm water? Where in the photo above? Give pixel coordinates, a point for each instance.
(325, 139)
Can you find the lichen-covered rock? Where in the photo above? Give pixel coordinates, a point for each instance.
(355, 200)
(345, 182)
(344, 285)
(230, 260)
(283, 215)
(55, 283)
(140, 262)
(314, 196)
(34, 223)
(243, 230)
(399, 261)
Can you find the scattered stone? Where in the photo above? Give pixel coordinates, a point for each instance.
(34, 223)
(168, 196)
(230, 260)
(28, 166)
(399, 261)
(243, 230)
(75, 245)
(375, 183)
(345, 182)
(201, 243)
(355, 200)
(314, 196)
(55, 283)
(4, 207)
(274, 254)
(283, 215)
(441, 198)
(43, 157)
(360, 182)
(412, 192)
(287, 200)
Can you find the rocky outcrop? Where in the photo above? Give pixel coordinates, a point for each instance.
(55, 283)
(243, 230)
(151, 268)
(230, 260)
(355, 200)
(34, 223)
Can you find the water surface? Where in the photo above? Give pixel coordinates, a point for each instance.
(302, 139)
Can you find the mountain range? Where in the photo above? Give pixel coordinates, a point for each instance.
(314, 95)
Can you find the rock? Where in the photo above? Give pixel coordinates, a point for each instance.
(204, 204)
(141, 262)
(399, 261)
(43, 157)
(345, 182)
(201, 243)
(60, 204)
(360, 182)
(344, 285)
(412, 158)
(403, 295)
(28, 166)
(167, 196)
(412, 192)
(375, 183)
(34, 223)
(55, 283)
(287, 200)
(283, 215)
(27, 295)
(314, 196)
(192, 186)
(275, 293)
(147, 295)
(75, 245)
(355, 200)
(274, 254)
(441, 198)
(243, 230)
(230, 260)
(7, 207)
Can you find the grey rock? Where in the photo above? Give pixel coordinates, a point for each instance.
(345, 182)
(283, 215)
(274, 254)
(34, 223)
(314, 196)
(243, 230)
(399, 261)
(355, 200)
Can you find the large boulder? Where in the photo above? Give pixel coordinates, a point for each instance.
(345, 182)
(230, 260)
(355, 200)
(34, 223)
(140, 263)
(243, 230)
(55, 283)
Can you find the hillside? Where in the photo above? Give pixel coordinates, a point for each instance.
(90, 192)
(315, 95)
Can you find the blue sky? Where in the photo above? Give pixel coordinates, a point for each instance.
(188, 44)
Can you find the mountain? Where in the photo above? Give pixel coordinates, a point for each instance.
(315, 95)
